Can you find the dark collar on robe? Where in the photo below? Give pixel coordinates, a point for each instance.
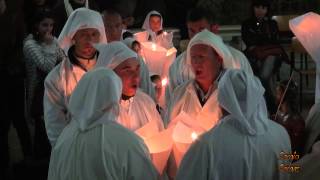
(73, 59)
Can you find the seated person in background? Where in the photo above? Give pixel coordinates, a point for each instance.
(245, 145)
(153, 25)
(260, 34)
(288, 114)
(93, 146)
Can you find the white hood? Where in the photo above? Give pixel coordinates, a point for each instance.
(208, 38)
(113, 54)
(96, 98)
(146, 24)
(306, 29)
(81, 18)
(241, 95)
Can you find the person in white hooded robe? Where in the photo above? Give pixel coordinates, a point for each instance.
(306, 29)
(199, 19)
(93, 146)
(251, 143)
(208, 56)
(83, 28)
(153, 25)
(136, 107)
(145, 82)
(197, 98)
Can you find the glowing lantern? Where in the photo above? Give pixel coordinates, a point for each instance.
(158, 143)
(186, 131)
(306, 29)
(194, 136)
(141, 36)
(148, 130)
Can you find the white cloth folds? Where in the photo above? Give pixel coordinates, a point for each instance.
(61, 81)
(244, 145)
(81, 18)
(113, 54)
(93, 145)
(69, 8)
(158, 143)
(146, 24)
(306, 29)
(241, 95)
(139, 109)
(90, 104)
(208, 38)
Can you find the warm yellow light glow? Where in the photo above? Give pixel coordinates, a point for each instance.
(153, 47)
(171, 51)
(194, 136)
(164, 82)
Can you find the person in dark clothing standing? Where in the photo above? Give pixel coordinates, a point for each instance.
(12, 80)
(260, 34)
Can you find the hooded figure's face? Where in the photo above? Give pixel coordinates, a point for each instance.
(129, 72)
(83, 40)
(205, 62)
(155, 23)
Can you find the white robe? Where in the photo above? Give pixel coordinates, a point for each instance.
(164, 39)
(61, 81)
(185, 99)
(226, 153)
(180, 71)
(59, 85)
(309, 165)
(312, 127)
(245, 144)
(138, 111)
(145, 81)
(93, 145)
(108, 151)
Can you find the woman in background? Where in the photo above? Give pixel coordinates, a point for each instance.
(41, 53)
